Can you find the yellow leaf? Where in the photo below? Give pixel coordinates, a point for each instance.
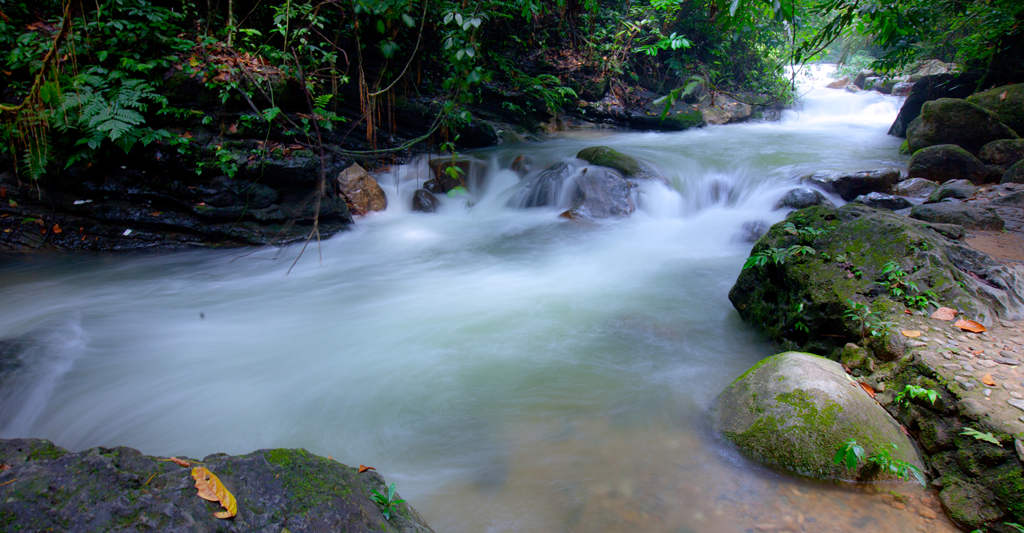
(969, 325)
(987, 379)
(210, 488)
(912, 333)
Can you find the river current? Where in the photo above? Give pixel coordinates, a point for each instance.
(508, 369)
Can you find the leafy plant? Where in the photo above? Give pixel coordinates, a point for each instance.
(868, 321)
(387, 503)
(777, 256)
(849, 454)
(986, 436)
(914, 392)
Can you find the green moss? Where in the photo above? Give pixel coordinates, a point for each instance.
(310, 481)
(46, 452)
(1008, 486)
(605, 156)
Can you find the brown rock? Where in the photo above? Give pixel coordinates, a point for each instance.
(360, 191)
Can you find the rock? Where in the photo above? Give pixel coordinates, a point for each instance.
(752, 230)
(915, 187)
(424, 202)
(959, 213)
(959, 189)
(521, 165)
(361, 192)
(793, 411)
(902, 88)
(883, 201)
(466, 173)
(605, 156)
(105, 489)
(852, 185)
(1002, 152)
(594, 192)
(725, 110)
(930, 67)
(1018, 446)
(955, 121)
(852, 245)
(969, 504)
(1007, 102)
(802, 197)
(1014, 174)
(929, 88)
(945, 162)
(839, 84)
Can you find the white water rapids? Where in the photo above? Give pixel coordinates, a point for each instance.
(510, 370)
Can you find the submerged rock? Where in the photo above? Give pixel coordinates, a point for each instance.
(105, 489)
(956, 121)
(424, 202)
(852, 185)
(802, 197)
(794, 410)
(593, 192)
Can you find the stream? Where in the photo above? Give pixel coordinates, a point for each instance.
(508, 369)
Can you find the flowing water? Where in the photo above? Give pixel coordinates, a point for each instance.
(509, 369)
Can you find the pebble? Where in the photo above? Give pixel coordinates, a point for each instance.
(965, 383)
(1005, 353)
(950, 366)
(947, 355)
(967, 367)
(988, 393)
(986, 363)
(1006, 361)
(1018, 403)
(1015, 394)
(926, 512)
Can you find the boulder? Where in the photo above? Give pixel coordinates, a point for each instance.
(839, 84)
(1007, 102)
(793, 411)
(915, 187)
(107, 489)
(752, 230)
(959, 213)
(794, 294)
(930, 67)
(902, 88)
(929, 88)
(605, 156)
(1002, 152)
(361, 192)
(587, 192)
(944, 162)
(802, 197)
(1014, 174)
(880, 200)
(955, 121)
(959, 189)
(424, 202)
(852, 185)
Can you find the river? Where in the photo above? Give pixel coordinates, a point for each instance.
(509, 369)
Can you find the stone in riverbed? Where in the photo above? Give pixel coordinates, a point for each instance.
(945, 162)
(959, 189)
(605, 156)
(361, 192)
(915, 187)
(1002, 152)
(1007, 102)
(955, 121)
(880, 200)
(802, 197)
(959, 213)
(424, 202)
(1014, 174)
(854, 184)
(794, 410)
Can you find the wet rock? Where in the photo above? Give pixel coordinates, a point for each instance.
(605, 156)
(883, 201)
(955, 121)
(915, 187)
(944, 162)
(1002, 152)
(958, 189)
(802, 197)
(839, 84)
(852, 185)
(752, 230)
(1007, 102)
(930, 67)
(521, 165)
(959, 213)
(104, 489)
(361, 192)
(424, 202)
(793, 410)
(451, 172)
(931, 87)
(593, 192)
(902, 88)
(1014, 174)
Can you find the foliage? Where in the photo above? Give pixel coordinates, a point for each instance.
(978, 435)
(849, 454)
(868, 321)
(914, 392)
(387, 503)
(776, 256)
(906, 290)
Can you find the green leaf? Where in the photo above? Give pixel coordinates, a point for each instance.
(408, 20)
(987, 437)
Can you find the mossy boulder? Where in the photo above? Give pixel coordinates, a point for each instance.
(956, 121)
(120, 489)
(1014, 174)
(944, 162)
(1007, 102)
(820, 259)
(606, 156)
(1003, 152)
(794, 410)
(959, 189)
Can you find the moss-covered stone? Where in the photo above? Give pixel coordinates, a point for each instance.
(606, 156)
(956, 121)
(944, 162)
(1007, 102)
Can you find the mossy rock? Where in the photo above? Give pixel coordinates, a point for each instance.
(1003, 152)
(606, 156)
(794, 410)
(1014, 174)
(1007, 102)
(956, 121)
(944, 162)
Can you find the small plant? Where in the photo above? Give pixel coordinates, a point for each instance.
(776, 256)
(868, 321)
(387, 503)
(987, 437)
(904, 289)
(913, 392)
(849, 454)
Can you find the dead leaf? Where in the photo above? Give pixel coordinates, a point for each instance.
(179, 462)
(4, 466)
(969, 325)
(912, 333)
(867, 388)
(944, 313)
(56, 229)
(8, 482)
(1002, 96)
(364, 468)
(209, 487)
(987, 379)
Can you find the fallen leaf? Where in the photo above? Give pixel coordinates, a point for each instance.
(8, 482)
(907, 312)
(1002, 96)
(912, 333)
(364, 468)
(867, 388)
(155, 213)
(969, 325)
(987, 379)
(179, 462)
(56, 229)
(4, 466)
(944, 313)
(209, 487)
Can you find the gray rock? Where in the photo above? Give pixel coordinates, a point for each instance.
(794, 410)
(902, 88)
(959, 213)
(802, 197)
(883, 201)
(583, 192)
(1002, 152)
(424, 202)
(915, 187)
(752, 230)
(955, 121)
(1019, 404)
(1014, 174)
(945, 162)
(852, 185)
(959, 189)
